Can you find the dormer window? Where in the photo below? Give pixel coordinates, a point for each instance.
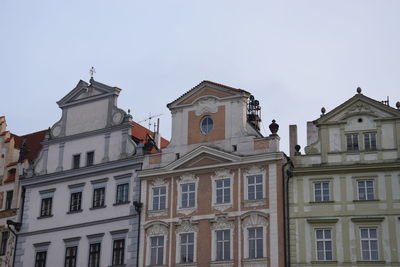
(370, 141)
(206, 125)
(352, 142)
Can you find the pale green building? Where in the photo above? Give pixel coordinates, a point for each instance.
(344, 196)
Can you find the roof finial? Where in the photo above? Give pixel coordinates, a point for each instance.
(323, 110)
(398, 105)
(92, 71)
(359, 90)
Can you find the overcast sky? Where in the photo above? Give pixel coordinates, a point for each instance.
(294, 56)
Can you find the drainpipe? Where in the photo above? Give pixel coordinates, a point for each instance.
(287, 170)
(138, 207)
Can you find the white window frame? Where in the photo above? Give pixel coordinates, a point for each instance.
(187, 179)
(120, 180)
(322, 191)
(75, 188)
(254, 171)
(156, 229)
(45, 194)
(159, 182)
(324, 240)
(253, 220)
(370, 141)
(221, 175)
(222, 222)
(365, 187)
(369, 240)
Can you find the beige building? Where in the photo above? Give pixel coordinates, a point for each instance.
(214, 196)
(345, 193)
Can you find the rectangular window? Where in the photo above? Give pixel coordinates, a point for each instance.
(156, 250)
(94, 255)
(223, 193)
(352, 142)
(89, 158)
(40, 260)
(321, 191)
(370, 141)
(76, 200)
(187, 247)
(45, 209)
(369, 244)
(118, 252)
(254, 187)
(256, 242)
(323, 238)
(159, 198)
(188, 195)
(76, 161)
(365, 189)
(98, 197)
(3, 246)
(223, 245)
(122, 193)
(9, 198)
(70, 256)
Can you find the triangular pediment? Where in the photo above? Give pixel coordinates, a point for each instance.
(356, 106)
(84, 91)
(207, 89)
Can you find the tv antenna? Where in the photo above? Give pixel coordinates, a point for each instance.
(149, 119)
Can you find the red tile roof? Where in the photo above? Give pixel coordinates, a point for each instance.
(139, 133)
(33, 143)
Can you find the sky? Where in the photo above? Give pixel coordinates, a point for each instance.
(293, 56)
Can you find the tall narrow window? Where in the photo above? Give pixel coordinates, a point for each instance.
(156, 250)
(9, 198)
(369, 244)
(99, 197)
(223, 238)
(365, 189)
(223, 191)
(40, 260)
(188, 195)
(324, 244)
(352, 142)
(89, 158)
(254, 187)
(75, 203)
(187, 247)
(321, 191)
(70, 256)
(122, 193)
(256, 242)
(76, 161)
(159, 198)
(4, 240)
(118, 252)
(94, 255)
(370, 141)
(45, 209)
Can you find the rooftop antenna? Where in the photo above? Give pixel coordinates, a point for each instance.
(149, 119)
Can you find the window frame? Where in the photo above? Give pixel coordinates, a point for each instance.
(5, 235)
(79, 204)
(182, 181)
(76, 161)
(372, 144)
(156, 229)
(159, 196)
(89, 158)
(157, 247)
(120, 251)
(226, 239)
(125, 200)
(96, 253)
(365, 180)
(218, 176)
(46, 209)
(254, 220)
(40, 261)
(99, 200)
(324, 240)
(369, 239)
(314, 183)
(69, 257)
(8, 203)
(352, 146)
(206, 125)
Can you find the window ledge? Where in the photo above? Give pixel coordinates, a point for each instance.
(157, 213)
(186, 210)
(187, 264)
(221, 263)
(371, 262)
(255, 260)
(366, 200)
(324, 262)
(119, 204)
(322, 202)
(222, 206)
(119, 265)
(74, 211)
(255, 202)
(96, 208)
(44, 217)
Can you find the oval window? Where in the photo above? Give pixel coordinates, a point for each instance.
(206, 125)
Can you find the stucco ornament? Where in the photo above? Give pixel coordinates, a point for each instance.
(221, 174)
(254, 220)
(254, 170)
(222, 222)
(187, 178)
(159, 182)
(206, 105)
(359, 107)
(117, 116)
(157, 229)
(185, 226)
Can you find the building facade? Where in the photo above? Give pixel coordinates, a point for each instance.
(345, 193)
(214, 195)
(78, 196)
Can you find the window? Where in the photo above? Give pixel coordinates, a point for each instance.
(45, 209)
(188, 195)
(370, 141)
(369, 244)
(254, 187)
(98, 197)
(122, 193)
(89, 158)
(118, 252)
(223, 245)
(365, 189)
(321, 191)
(159, 198)
(223, 191)
(323, 239)
(76, 200)
(76, 160)
(256, 242)
(352, 142)
(9, 198)
(206, 125)
(70, 256)
(94, 255)
(156, 250)
(40, 260)
(187, 247)
(3, 246)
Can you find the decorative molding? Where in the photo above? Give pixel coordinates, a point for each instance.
(186, 225)
(221, 174)
(157, 213)
(159, 182)
(322, 220)
(254, 170)
(221, 222)
(156, 229)
(186, 179)
(254, 220)
(206, 105)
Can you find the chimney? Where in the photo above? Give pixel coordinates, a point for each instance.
(292, 139)
(157, 136)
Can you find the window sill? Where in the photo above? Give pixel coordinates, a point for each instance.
(157, 213)
(186, 210)
(44, 217)
(324, 262)
(322, 202)
(255, 202)
(74, 211)
(255, 260)
(96, 208)
(221, 263)
(187, 264)
(366, 200)
(119, 265)
(371, 262)
(119, 204)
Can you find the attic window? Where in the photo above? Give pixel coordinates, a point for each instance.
(206, 125)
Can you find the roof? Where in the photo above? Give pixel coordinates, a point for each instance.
(33, 143)
(139, 133)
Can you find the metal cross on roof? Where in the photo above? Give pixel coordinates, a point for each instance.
(92, 71)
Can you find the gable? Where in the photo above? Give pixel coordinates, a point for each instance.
(203, 160)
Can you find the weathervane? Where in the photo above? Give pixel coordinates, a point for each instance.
(92, 71)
